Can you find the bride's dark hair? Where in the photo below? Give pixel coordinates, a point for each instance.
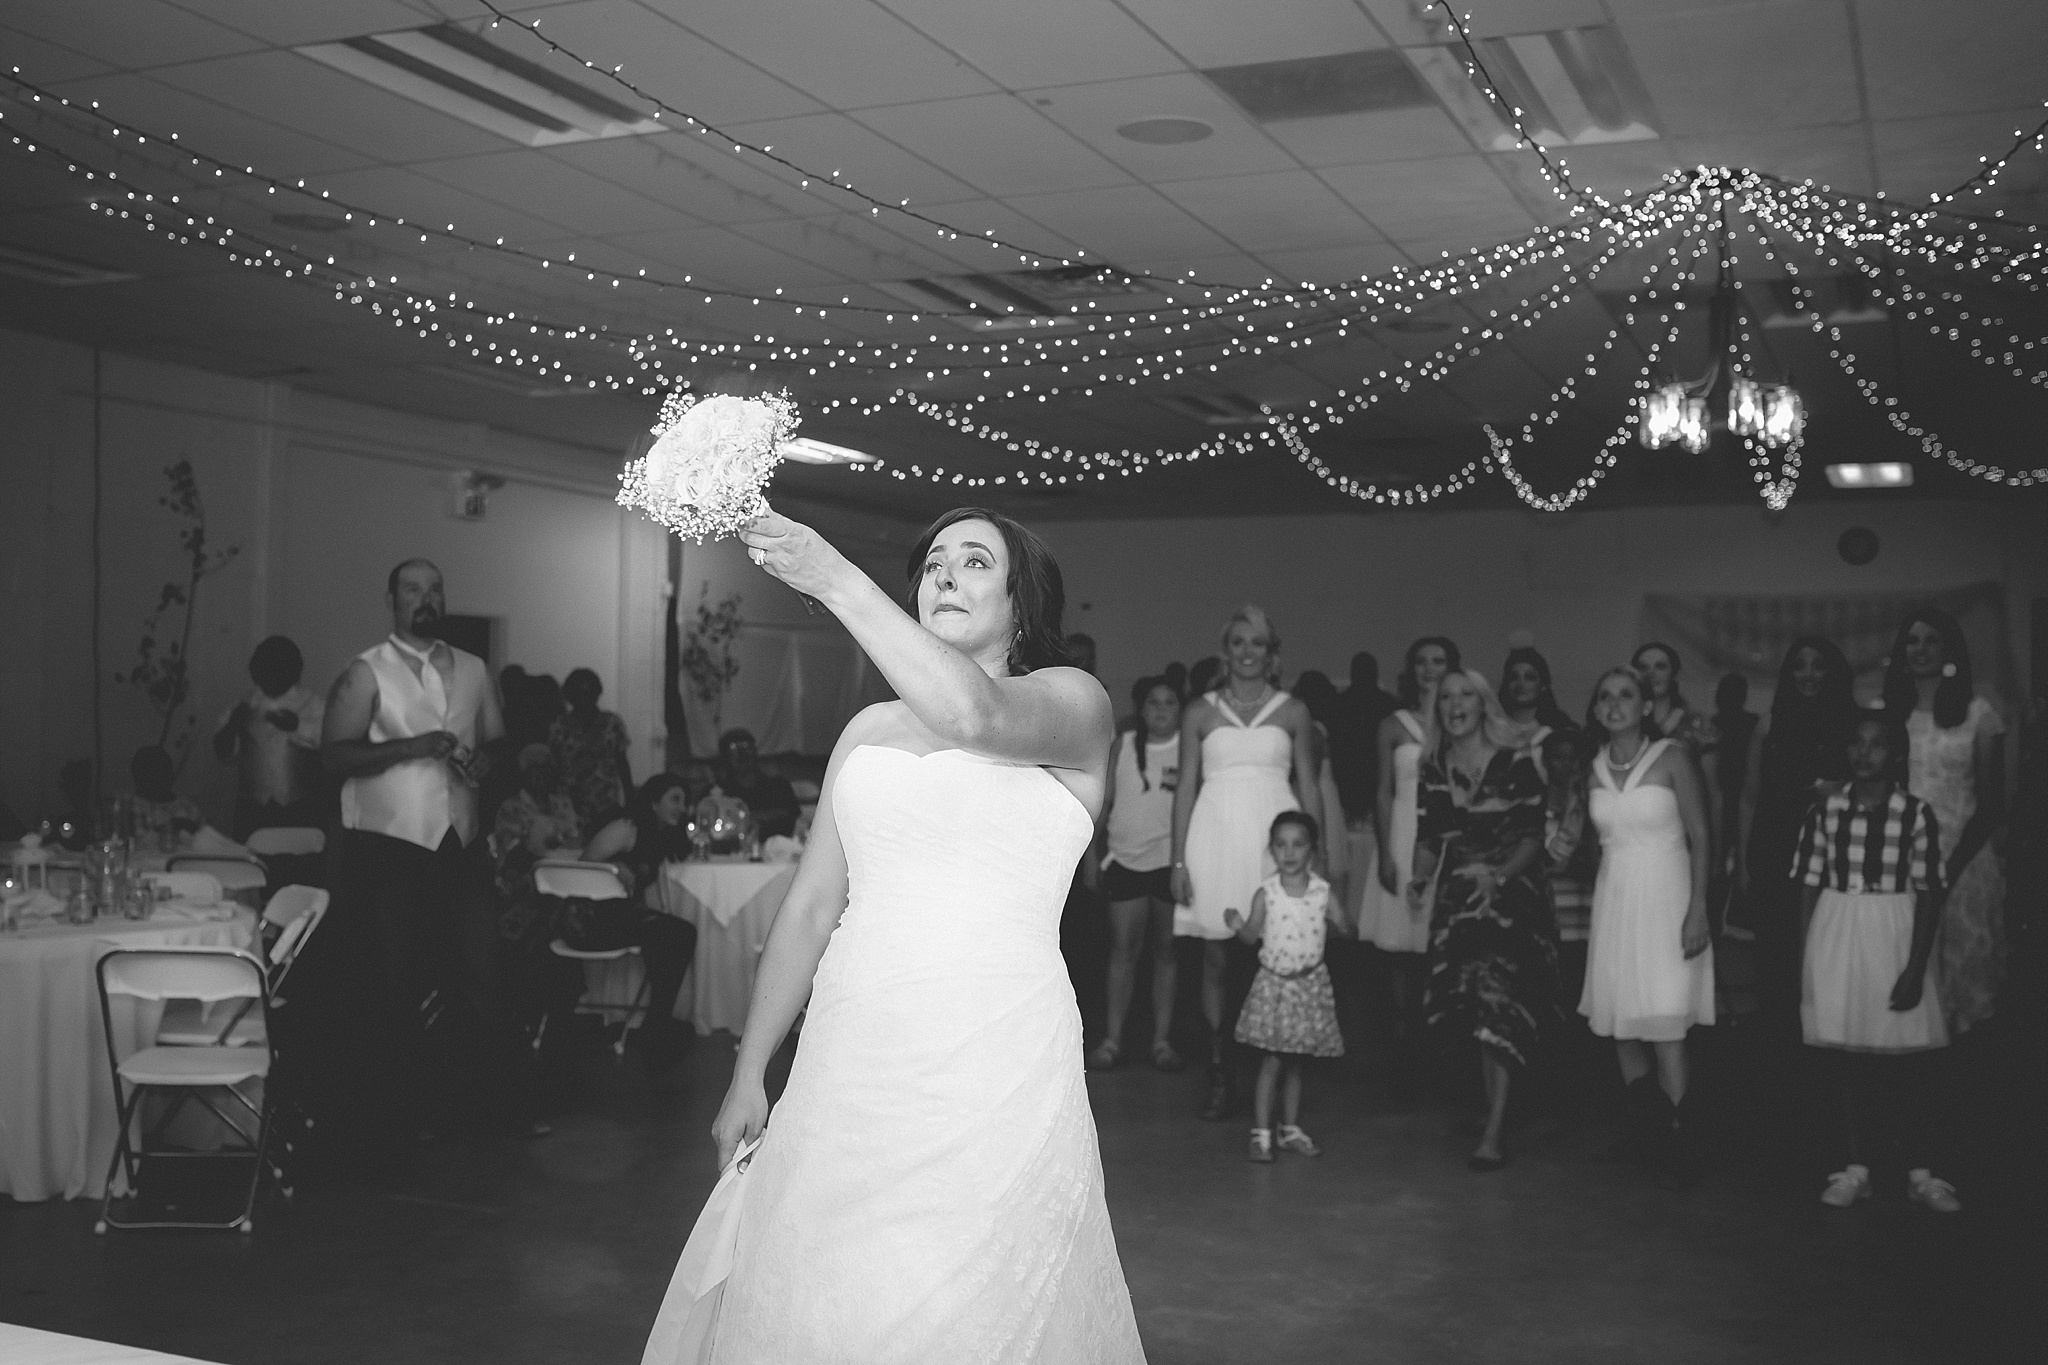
(1038, 594)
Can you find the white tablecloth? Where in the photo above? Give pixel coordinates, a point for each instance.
(57, 1112)
(733, 906)
(27, 1346)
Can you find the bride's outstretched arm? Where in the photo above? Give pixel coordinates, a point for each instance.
(1054, 717)
(782, 982)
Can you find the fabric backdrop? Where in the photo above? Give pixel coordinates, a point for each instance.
(797, 687)
(1749, 635)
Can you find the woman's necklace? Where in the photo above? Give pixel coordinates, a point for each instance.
(1246, 708)
(1642, 747)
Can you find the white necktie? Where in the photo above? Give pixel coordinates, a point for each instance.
(430, 680)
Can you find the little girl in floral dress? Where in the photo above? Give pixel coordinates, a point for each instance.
(1291, 1012)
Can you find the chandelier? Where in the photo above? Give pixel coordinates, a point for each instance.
(1677, 411)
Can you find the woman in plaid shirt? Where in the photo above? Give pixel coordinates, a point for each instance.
(1870, 864)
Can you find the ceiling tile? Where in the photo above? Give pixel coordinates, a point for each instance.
(1131, 225)
(213, 129)
(1231, 33)
(126, 33)
(848, 55)
(1917, 157)
(45, 63)
(1378, 135)
(996, 143)
(691, 174)
(978, 217)
(298, 92)
(851, 246)
(1712, 71)
(1412, 200)
(1952, 58)
(1286, 211)
(1093, 113)
(422, 198)
(835, 142)
(1097, 41)
(663, 58)
(289, 25)
(1329, 265)
(732, 258)
(552, 189)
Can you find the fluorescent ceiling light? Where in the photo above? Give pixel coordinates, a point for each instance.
(1575, 87)
(459, 73)
(804, 450)
(22, 263)
(1890, 475)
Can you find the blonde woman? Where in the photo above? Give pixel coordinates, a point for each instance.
(1247, 753)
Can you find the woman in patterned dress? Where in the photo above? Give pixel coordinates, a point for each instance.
(1958, 768)
(1493, 941)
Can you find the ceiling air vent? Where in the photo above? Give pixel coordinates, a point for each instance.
(46, 269)
(1316, 87)
(449, 68)
(1017, 300)
(1574, 86)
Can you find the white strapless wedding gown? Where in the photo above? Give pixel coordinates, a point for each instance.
(929, 1187)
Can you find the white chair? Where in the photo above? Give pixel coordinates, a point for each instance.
(574, 880)
(295, 912)
(195, 1074)
(201, 888)
(291, 841)
(234, 874)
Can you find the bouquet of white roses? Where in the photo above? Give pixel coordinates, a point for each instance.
(711, 460)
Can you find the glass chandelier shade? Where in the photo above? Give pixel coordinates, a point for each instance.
(1663, 410)
(1694, 425)
(1745, 406)
(1784, 415)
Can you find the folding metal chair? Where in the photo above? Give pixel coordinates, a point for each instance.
(291, 841)
(574, 880)
(233, 874)
(294, 913)
(187, 1074)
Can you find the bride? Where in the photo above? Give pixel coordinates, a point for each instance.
(929, 1188)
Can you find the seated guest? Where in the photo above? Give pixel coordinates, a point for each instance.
(164, 820)
(637, 844)
(591, 747)
(273, 737)
(536, 821)
(769, 797)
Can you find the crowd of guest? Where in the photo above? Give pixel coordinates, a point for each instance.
(1514, 878)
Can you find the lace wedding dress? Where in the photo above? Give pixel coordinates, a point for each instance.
(929, 1188)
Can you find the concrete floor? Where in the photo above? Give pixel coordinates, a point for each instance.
(1384, 1250)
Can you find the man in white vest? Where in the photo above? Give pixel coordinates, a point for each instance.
(405, 727)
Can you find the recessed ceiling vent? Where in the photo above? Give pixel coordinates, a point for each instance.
(1317, 87)
(1018, 300)
(24, 264)
(1575, 87)
(448, 68)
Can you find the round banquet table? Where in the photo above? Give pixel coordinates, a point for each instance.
(57, 1117)
(733, 906)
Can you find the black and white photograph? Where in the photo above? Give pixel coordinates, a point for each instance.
(1023, 682)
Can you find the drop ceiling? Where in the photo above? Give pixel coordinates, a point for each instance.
(1001, 116)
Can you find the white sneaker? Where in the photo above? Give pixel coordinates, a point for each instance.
(1847, 1186)
(1930, 1189)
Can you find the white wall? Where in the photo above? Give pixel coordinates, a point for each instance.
(321, 497)
(1154, 591)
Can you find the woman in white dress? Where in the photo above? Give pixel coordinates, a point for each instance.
(1957, 766)
(1386, 919)
(929, 1187)
(1247, 753)
(1649, 961)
